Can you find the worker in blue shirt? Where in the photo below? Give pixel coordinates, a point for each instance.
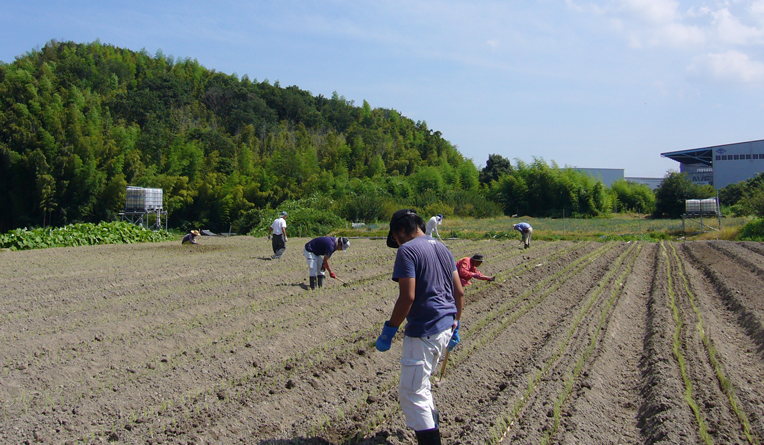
(317, 252)
(430, 299)
(526, 231)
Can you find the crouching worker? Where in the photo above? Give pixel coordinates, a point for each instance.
(317, 252)
(190, 238)
(430, 298)
(467, 267)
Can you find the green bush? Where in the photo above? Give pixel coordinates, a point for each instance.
(752, 231)
(362, 208)
(86, 234)
(313, 216)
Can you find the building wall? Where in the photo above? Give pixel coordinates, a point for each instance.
(653, 183)
(700, 174)
(737, 162)
(606, 175)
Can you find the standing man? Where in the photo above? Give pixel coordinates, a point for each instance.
(526, 230)
(431, 299)
(467, 268)
(432, 226)
(317, 252)
(277, 235)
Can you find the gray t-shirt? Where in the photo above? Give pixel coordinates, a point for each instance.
(432, 265)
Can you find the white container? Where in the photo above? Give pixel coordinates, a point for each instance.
(701, 206)
(139, 199)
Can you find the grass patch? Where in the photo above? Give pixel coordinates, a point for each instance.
(616, 228)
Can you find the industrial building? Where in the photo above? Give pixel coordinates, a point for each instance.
(653, 183)
(721, 165)
(605, 175)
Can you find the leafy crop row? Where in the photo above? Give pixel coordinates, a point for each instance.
(86, 234)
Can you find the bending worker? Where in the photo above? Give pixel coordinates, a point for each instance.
(190, 237)
(432, 226)
(317, 252)
(279, 239)
(526, 230)
(430, 299)
(467, 268)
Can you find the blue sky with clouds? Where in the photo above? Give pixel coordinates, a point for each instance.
(602, 83)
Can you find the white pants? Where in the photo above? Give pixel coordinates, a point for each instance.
(314, 263)
(418, 362)
(527, 236)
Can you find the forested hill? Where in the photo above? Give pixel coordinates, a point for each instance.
(80, 122)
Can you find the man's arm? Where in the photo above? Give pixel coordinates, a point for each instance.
(406, 296)
(477, 274)
(458, 295)
(283, 231)
(325, 265)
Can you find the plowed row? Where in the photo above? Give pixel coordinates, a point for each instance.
(573, 343)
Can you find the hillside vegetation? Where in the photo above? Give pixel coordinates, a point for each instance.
(80, 122)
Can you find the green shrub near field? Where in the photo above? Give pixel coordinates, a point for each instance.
(85, 234)
(752, 231)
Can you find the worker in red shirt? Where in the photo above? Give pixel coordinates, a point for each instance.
(467, 268)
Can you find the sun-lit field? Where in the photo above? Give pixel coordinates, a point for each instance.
(574, 229)
(575, 342)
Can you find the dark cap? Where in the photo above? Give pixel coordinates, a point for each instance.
(477, 257)
(397, 216)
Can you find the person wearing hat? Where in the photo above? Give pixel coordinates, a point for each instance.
(526, 231)
(190, 237)
(317, 252)
(279, 239)
(467, 267)
(431, 299)
(432, 226)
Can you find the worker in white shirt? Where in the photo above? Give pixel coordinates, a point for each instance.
(432, 226)
(278, 236)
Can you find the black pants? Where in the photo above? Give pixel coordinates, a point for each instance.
(279, 246)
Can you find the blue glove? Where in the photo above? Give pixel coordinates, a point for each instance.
(454, 338)
(386, 338)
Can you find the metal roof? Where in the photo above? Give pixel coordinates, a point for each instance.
(695, 156)
(699, 155)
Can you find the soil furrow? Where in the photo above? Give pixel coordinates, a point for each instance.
(163, 343)
(719, 420)
(739, 289)
(558, 376)
(734, 350)
(611, 383)
(663, 416)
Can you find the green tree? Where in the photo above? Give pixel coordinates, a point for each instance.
(495, 167)
(675, 189)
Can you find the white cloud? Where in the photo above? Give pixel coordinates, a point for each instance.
(652, 11)
(730, 30)
(679, 35)
(757, 8)
(730, 66)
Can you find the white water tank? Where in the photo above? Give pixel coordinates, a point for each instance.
(706, 207)
(141, 199)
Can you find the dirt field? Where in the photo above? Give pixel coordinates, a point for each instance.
(615, 343)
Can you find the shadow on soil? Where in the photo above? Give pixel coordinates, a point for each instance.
(380, 438)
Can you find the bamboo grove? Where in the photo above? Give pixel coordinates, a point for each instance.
(80, 122)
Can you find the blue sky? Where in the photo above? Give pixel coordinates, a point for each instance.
(597, 84)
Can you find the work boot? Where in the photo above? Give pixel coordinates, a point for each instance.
(312, 283)
(428, 437)
(321, 280)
